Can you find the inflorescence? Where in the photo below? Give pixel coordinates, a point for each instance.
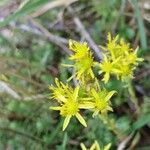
(119, 60)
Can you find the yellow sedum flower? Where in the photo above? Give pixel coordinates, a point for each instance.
(84, 67)
(112, 45)
(83, 61)
(79, 49)
(68, 103)
(95, 146)
(119, 59)
(59, 91)
(107, 67)
(101, 101)
(131, 58)
(125, 71)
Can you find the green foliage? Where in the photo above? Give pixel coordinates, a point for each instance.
(142, 120)
(30, 62)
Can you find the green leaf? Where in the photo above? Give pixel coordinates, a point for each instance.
(143, 38)
(142, 121)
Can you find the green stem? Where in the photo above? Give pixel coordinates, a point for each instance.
(132, 95)
(111, 126)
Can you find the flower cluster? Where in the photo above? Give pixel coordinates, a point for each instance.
(83, 61)
(95, 146)
(119, 60)
(72, 100)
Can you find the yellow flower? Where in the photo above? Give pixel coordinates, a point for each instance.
(107, 67)
(68, 103)
(112, 42)
(101, 101)
(59, 91)
(112, 45)
(116, 46)
(126, 71)
(80, 49)
(119, 59)
(83, 68)
(83, 61)
(124, 47)
(95, 146)
(131, 58)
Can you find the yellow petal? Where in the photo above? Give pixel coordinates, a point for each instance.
(55, 108)
(107, 147)
(83, 146)
(67, 65)
(93, 147)
(75, 94)
(71, 44)
(96, 112)
(91, 73)
(109, 36)
(62, 98)
(81, 120)
(109, 95)
(66, 121)
(140, 59)
(95, 94)
(106, 77)
(57, 82)
(71, 77)
(97, 145)
(109, 108)
(86, 106)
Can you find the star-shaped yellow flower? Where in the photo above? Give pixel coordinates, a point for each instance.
(95, 146)
(68, 103)
(79, 49)
(101, 101)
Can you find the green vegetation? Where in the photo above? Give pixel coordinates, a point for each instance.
(34, 37)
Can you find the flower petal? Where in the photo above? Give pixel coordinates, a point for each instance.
(55, 108)
(107, 147)
(106, 77)
(75, 94)
(86, 106)
(81, 120)
(66, 121)
(109, 95)
(95, 94)
(95, 146)
(67, 65)
(109, 108)
(83, 146)
(96, 112)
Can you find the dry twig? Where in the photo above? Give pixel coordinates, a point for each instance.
(53, 38)
(51, 5)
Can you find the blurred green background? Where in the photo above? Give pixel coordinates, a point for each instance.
(34, 38)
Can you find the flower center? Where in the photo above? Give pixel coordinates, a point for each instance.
(69, 108)
(126, 70)
(132, 58)
(107, 67)
(101, 104)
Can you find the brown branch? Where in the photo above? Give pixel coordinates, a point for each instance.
(61, 42)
